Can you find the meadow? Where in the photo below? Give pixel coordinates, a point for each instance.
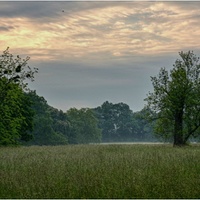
(100, 171)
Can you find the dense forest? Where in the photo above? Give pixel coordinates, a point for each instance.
(26, 118)
(106, 123)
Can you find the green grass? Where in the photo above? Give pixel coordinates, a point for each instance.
(100, 171)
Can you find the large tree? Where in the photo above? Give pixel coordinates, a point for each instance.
(15, 106)
(175, 101)
(115, 120)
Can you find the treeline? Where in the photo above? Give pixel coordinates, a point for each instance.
(106, 123)
(173, 109)
(26, 118)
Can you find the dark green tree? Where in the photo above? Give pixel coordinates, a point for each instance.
(142, 129)
(15, 107)
(15, 116)
(115, 120)
(83, 126)
(106, 121)
(49, 126)
(175, 102)
(60, 121)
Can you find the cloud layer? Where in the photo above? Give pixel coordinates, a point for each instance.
(91, 28)
(99, 46)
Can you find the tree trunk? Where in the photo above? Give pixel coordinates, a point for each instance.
(178, 129)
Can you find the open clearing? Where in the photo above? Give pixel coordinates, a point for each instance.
(100, 171)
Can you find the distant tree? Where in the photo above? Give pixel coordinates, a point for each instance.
(15, 108)
(142, 128)
(176, 99)
(83, 126)
(60, 121)
(115, 120)
(106, 121)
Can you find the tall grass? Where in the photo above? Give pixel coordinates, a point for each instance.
(100, 171)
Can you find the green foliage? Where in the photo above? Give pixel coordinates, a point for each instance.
(45, 130)
(176, 99)
(100, 172)
(115, 120)
(60, 121)
(15, 69)
(52, 126)
(120, 124)
(16, 114)
(163, 129)
(83, 126)
(142, 129)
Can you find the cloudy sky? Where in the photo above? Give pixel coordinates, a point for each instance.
(89, 52)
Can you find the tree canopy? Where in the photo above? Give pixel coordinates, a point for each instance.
(83, 126)
(15, 106)
(15, 69)
(46, 130)
(175, 101)
(120, 124)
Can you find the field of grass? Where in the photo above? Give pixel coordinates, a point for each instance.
(100, 171)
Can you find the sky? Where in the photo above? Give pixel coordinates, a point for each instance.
(89, 52)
